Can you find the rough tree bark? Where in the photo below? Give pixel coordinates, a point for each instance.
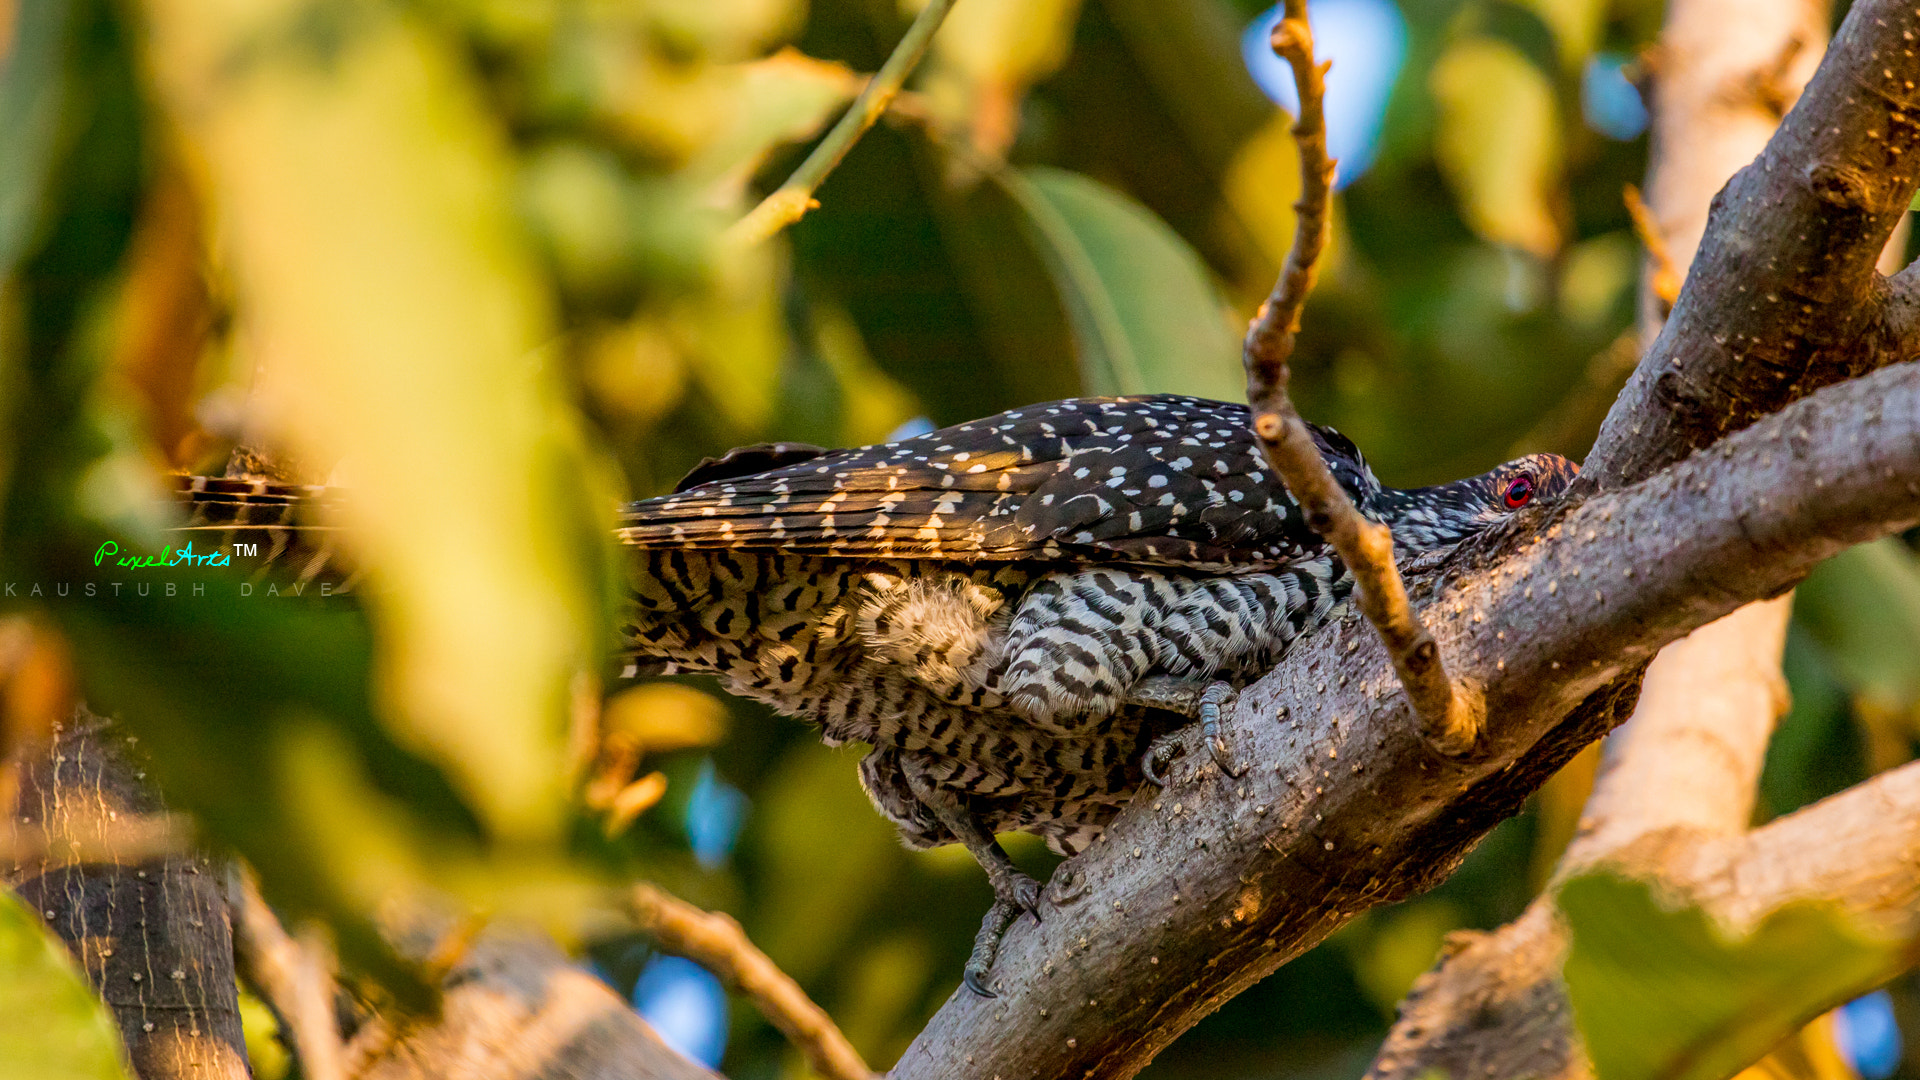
(1772, 312)
(1679, 775)
(1686, 764)
(150, 930)
(1199, 891)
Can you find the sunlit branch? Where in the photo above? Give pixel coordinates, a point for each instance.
(293, 976)
(1450, 716)
(716, 942)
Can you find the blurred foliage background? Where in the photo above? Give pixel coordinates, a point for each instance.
(468, 258)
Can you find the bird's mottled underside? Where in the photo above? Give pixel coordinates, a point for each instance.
(1011, 611)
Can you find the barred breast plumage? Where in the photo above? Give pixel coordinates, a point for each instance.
(1012, 610)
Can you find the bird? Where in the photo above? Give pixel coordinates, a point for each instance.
(1021, 616)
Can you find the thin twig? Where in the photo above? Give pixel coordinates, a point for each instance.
(794, 198)
(1665, 280)
(717, 943)
(1452, 724)
(294, 977)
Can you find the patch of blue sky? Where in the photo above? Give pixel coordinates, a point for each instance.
(1610, 104)
(1367, 42)
(919, 425)
(686, 1005)
(1868, 1037)
(715, 812)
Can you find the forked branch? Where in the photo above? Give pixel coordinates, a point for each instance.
(1450, 717)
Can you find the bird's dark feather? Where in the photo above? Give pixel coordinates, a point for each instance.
(1171, 480)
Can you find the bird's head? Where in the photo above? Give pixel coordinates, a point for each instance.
(1430, 518)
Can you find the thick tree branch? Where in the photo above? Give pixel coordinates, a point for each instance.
(1198, 891)
(517, 1009)
(1717, 82)
(150, 932)
(1498, 1007)
(1774, 311)
(717, 943)
(1451, 716)
(1684, 767)
(1205, 888)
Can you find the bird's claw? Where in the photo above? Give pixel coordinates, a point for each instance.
(1022, 892)
(1012, 895)
(1218, 698)
(986, 945)
(1160, 753)
(1214, 701)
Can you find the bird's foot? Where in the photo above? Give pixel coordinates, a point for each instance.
(986, 946)
(1019, 890)
(1013, 893)
(1214, 700)
(1160, 753)
(1206, 704)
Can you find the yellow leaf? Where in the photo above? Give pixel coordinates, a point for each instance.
(1498, 143)
(987, 54)
(664, 717)
(1261, 185)
(1576, 26)
(364, 195)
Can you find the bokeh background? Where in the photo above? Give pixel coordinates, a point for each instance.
(1074, 196)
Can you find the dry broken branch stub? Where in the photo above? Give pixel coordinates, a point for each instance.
(1664, 279)
(717, 943)
(1450, 715)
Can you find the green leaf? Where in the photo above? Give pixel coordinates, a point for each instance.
(1576, 24)
(1863, 607)
(32, 91)
(52, 1027)
(1146, 317)
(1665, 993)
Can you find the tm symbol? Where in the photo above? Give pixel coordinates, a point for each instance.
(246, 549)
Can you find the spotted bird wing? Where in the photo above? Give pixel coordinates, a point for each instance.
(1164, 480)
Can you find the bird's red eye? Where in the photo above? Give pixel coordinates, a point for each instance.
(1519, 492)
